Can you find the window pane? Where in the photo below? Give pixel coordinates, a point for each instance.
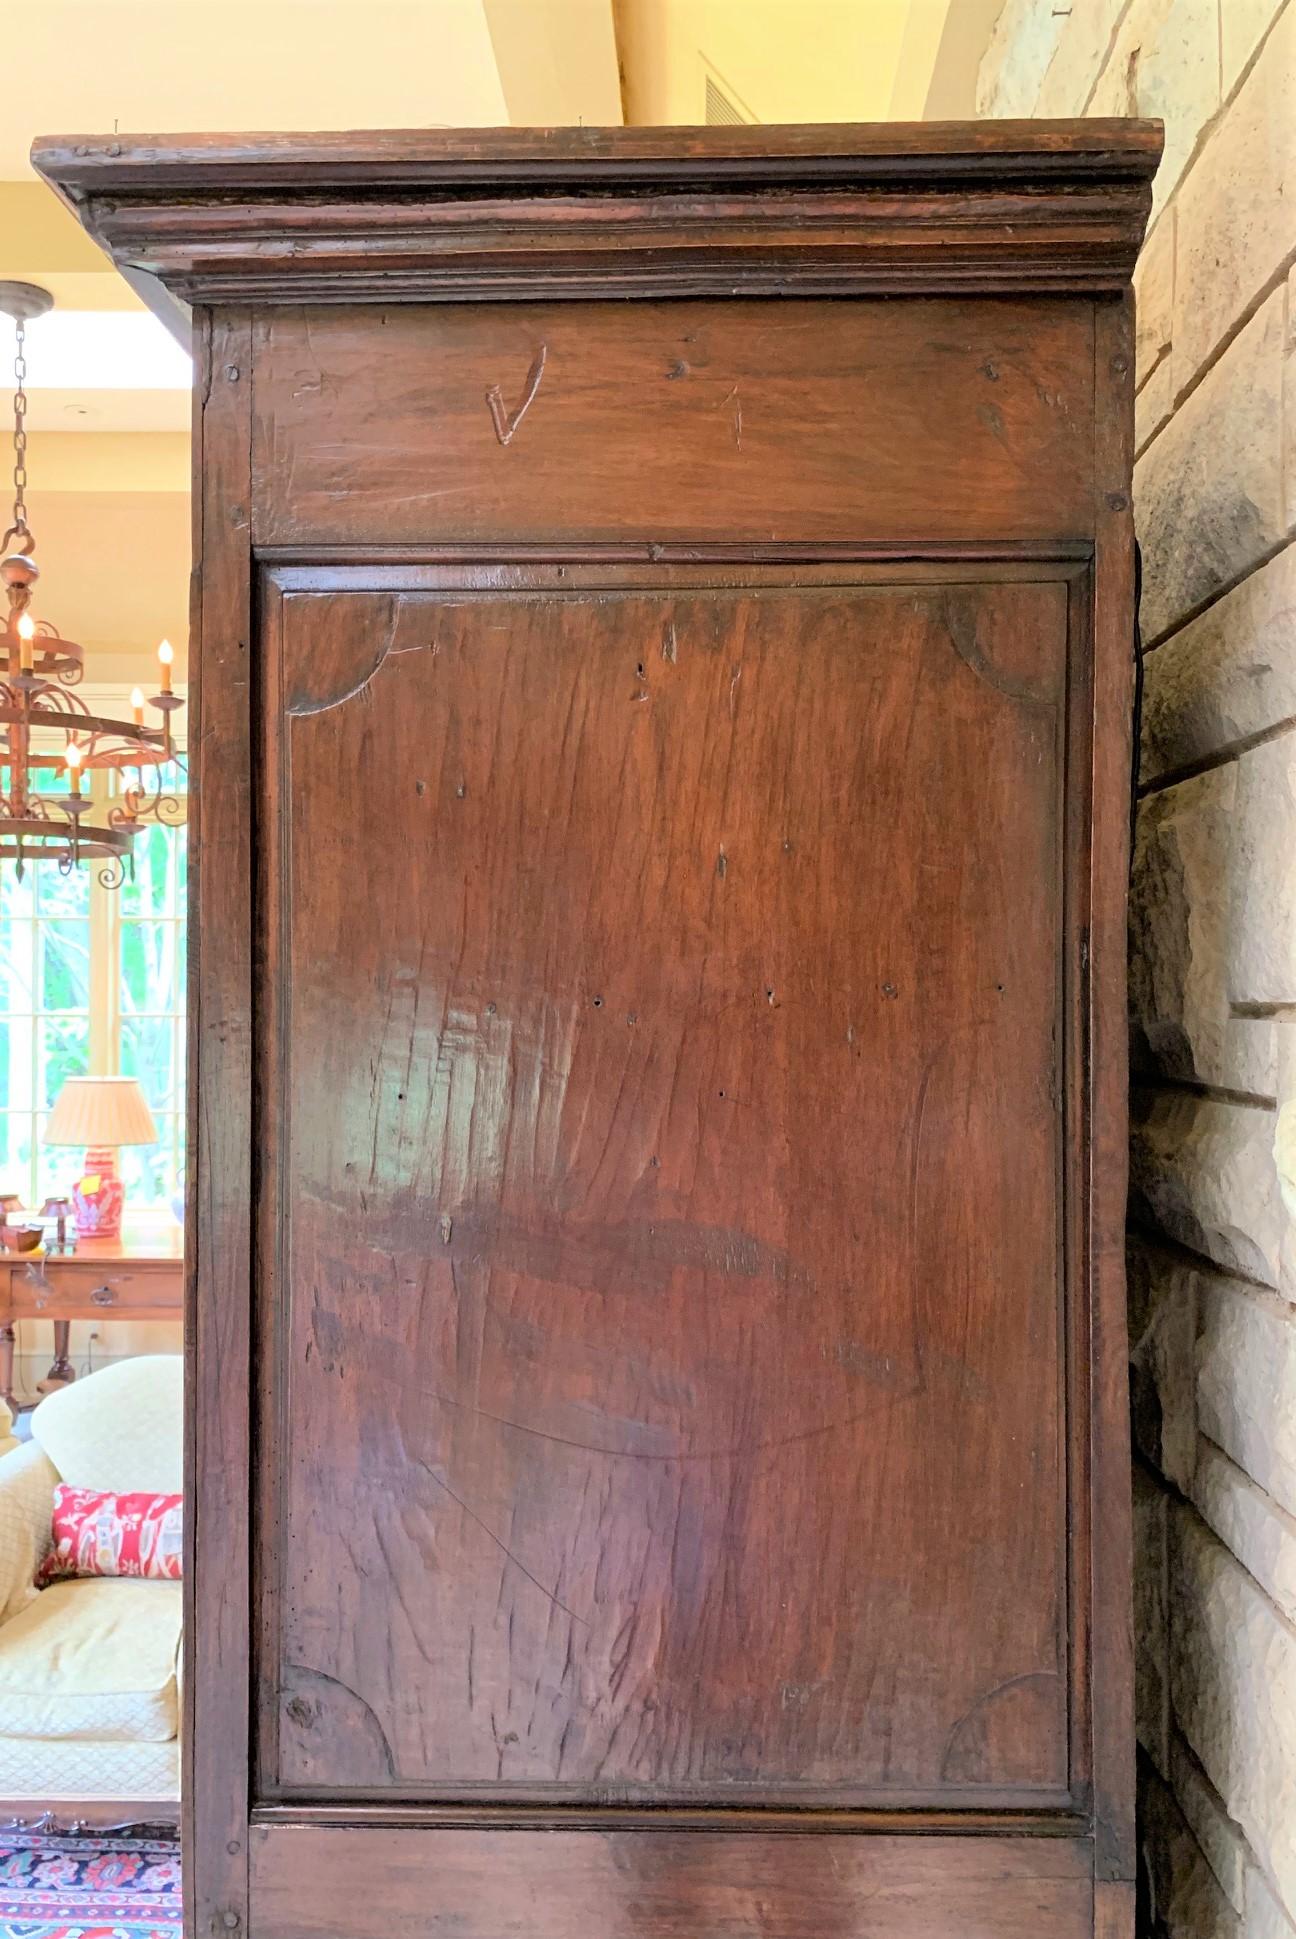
(62, 895)
(17, 941)
(63, 1051)
(16, 1085)
(151, 891)
(147, 967)
(65, 965)
(17, 898)
(58, 1167)
(148, 1052)
(15, 1154)
(148, 1171)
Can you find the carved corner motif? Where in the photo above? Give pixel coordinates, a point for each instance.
(350, 680)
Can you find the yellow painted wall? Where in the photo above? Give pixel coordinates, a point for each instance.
(557, 62)
(141, 65)
(816, 60)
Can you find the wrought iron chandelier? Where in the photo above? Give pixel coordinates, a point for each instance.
(43, 723)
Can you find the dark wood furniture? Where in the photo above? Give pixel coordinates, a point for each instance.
(663, 633)
(137, 1277)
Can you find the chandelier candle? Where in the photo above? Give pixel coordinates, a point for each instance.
(39, 711)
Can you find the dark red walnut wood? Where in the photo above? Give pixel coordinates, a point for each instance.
(658, 1418)
(667, 1189)
(525, 213)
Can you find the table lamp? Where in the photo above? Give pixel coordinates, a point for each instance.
(100, 1113)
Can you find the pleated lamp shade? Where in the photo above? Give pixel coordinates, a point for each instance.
(101, 1111)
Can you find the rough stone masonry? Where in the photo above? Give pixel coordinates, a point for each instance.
(1213, 931)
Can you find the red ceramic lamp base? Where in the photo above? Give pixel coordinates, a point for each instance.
(99, 1211)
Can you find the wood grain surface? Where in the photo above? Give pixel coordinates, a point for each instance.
(685, 421)
(219, 1156)
(668, 1191)
(445, 214)
(657, 1413)
(649, 1885)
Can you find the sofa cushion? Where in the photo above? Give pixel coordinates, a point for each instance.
(27, 1482)
(85, 1769)
(118, 1429)
(93, 1659)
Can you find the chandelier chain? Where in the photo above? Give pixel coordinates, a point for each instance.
(20, 526)
(44, 724)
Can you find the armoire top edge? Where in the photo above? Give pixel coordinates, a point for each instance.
(457, 214)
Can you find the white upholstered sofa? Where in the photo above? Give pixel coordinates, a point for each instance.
(89, 1669)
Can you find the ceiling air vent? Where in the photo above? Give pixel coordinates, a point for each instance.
(721, 110)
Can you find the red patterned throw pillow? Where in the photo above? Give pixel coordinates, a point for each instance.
(102, 1534)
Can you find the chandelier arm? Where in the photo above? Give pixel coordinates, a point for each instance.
(151, 741)
(37, 669)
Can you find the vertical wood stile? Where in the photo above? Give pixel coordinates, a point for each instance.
(219, 1186)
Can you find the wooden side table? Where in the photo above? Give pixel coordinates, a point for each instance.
(138, 1277)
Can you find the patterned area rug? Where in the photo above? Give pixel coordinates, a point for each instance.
(54, 1887)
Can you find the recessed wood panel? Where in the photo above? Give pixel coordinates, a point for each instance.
(649, 1885)
(687, 421)
(661, 1252)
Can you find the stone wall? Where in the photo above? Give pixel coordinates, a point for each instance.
(1213, 1202)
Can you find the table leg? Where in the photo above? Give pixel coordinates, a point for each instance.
(7, 1394)
(61, 1369)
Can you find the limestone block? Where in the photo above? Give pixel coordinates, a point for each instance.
(1176, 77)
(1237, 205)
(1289, 405)
(1248, 1522)
(1209, 491)
(1222, 1844)
(1190, 842)
(1243, 23)
(1246, 1381)
(1262, 880)
(1233, 1690)
(1082, 49)
(1285, 1127)
(1164, 61)
(1225, 1850)
(1163, 1370)
(1114, 91)
(1151, 1624)
(1202, 1170)
(1153, 404)
(1154, 298)
(1186, 1901)
(1228, 676)
(1021, 47)
(1265, 1918)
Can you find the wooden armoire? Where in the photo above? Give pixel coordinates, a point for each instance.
(663, 632)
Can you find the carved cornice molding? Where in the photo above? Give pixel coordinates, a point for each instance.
(522, 213)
